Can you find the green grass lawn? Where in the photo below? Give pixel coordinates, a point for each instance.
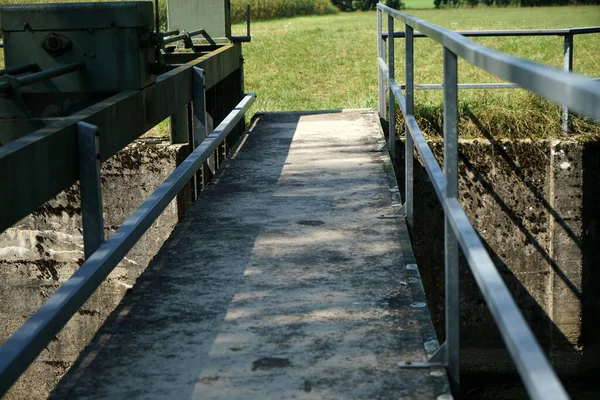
(329, 62)
(416, 4)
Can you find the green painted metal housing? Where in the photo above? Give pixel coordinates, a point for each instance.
(109, 38)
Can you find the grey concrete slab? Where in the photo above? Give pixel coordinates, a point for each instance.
(281, 282)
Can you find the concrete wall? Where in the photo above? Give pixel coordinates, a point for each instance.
(536, 206)
(40, 252)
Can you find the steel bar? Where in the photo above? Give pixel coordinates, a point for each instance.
(204, 34)
(578, 93)
(20, 69)
(248, 21)
(199, 107)
(156, 17)
(525, 351)
(538, 376)
(42, 76)
(199, 124)
(19, 351)
(122, 117)
(437, 86)
(450, 243)
(176, 38)
(429, 161)
(248, 37)
(568, 67)
(241, 39)
(516, 32)
(178, 126)
(408, 145)
(392, 102)
(91, 189)
(380, 72)
(170, 33)
(187, 35)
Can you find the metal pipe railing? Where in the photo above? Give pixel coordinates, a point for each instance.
(508, 33)
(248, 37)
(186, 36)
(576, 92)
(37, 77)
(21, 69)
(21, 349)
(567, 33)
(170, 33)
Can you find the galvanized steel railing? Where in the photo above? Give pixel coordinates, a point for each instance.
(567, 35)
(102, 256)
(576, 92)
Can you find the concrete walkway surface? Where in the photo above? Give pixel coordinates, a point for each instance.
(280, 282)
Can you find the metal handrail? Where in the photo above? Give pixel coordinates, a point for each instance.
(574, 91)
(515, 32)
(566, 33)
(31, 79)
(21, 349)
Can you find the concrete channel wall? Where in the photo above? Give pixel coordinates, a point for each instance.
(44, 249)
(536, 206)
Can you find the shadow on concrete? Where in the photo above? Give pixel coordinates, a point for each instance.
(141, 310)
(235, 295)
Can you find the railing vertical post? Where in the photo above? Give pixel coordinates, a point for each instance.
(178, 124)
(200, 128)
(450, 242)
(392, 105)
(567, 66)
(380, 54)
(88, 141)
(409, 146)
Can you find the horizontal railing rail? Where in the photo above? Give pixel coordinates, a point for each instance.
(574, 91)
(21, 349)
(568, 37)
(510, 32)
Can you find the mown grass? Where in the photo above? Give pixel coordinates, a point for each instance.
(328, 62)
(418, 4)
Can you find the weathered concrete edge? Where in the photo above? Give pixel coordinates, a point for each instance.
(430, 340)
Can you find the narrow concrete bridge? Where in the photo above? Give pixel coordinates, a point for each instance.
(292, 275)
(282, 281)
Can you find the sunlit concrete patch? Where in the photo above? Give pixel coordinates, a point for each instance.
(283, 284)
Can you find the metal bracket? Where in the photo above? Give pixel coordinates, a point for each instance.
(437, 360)
(383, 148)
(88, 140)
(187, 41)
(400, 213)
(15, 94)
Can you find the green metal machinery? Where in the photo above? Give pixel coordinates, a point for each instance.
(106, 64)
